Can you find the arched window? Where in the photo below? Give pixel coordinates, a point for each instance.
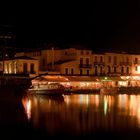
(66, 71)
(81, 72)
(96, 70)
(87, 72)
(32, 71)
(122, 69)
(109, 69)
(81, 60)
(127, 70)
(72, 71)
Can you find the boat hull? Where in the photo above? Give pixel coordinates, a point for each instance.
(46, 91)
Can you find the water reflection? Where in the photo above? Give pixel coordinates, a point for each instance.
(77, 114)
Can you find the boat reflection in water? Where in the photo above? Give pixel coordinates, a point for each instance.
(85, 114)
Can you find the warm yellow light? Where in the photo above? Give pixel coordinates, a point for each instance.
(138, 69)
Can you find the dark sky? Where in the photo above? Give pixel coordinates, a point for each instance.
(102, 25)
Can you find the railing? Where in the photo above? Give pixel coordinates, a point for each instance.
(136, 62)
(85, 66)
(125, 74)
(126, 63)
(99, 63)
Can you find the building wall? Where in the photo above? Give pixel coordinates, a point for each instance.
(68, 54)
(69, 66)
(35, 54)
(118, 63)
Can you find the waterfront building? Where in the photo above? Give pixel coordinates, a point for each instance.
(84, 62)
(20, 65)
(122, 68)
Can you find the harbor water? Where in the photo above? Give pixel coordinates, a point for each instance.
(73, 116)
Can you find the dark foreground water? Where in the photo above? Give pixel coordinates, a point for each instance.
(88, 116)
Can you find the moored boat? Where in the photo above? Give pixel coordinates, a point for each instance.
(47, 89)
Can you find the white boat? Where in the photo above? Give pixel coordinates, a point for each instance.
(47, 89)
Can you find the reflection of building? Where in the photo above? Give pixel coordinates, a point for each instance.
(83, 62)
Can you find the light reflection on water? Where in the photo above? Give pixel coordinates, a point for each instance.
(84, 113)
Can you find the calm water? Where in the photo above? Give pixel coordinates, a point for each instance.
(85, 115)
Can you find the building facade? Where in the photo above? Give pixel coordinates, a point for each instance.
(84, 62)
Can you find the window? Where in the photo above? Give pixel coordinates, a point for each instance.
(87, 72)
(96, 70)
(101, 70)
(115, 60)
(136, 59)
(122, 69)
(127, 59)
(43, 62)
(127, 70)
(109, 59)
(66, 70)
(81, 60)
(72, 71)
(95, 59)
(136, 68)
(66, 52)
(87, 61)
(32, 71)
(87, 53)
(115, 69)
(24, 67)
(101, 59)
(109, 69)
(81, 72)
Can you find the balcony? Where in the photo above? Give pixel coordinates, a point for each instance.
(113, 74)
(126, 63)
(85, 66)
(99, 63)
(136, 62)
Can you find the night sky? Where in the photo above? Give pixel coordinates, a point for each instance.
(100, 25)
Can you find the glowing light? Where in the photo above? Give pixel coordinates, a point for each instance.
(81, 98)
(96, 101)
(123, 83)
(29, 109)
(105, 78)
(138, 69)
(123, 101)
(66, 99)
(27, 106)
(10, 68)
(105, 105)
(127, 77)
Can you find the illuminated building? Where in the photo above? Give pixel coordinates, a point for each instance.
(20, 65)
(84, 62)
